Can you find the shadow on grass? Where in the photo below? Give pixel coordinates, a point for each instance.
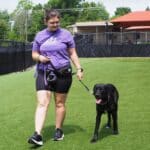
(34, 147)
(48, 132)
(104, 132)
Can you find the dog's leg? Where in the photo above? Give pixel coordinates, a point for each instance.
(115, 122)
(97, 125)
(108, 125)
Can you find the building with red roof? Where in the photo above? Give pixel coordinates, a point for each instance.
(138, 20)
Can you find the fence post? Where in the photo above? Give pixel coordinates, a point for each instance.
(146, 37)
(106, 32)
(121, 29)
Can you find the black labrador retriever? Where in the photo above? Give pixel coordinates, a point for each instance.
(106, 96)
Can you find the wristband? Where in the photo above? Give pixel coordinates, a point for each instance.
(80, 69)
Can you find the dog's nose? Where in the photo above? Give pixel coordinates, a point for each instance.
(97, 94)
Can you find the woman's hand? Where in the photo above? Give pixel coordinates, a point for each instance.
(79, 74)
(43, 59)
(38, 57)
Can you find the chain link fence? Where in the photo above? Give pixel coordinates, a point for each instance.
(110, 38)
(14, 56)
(113, 44)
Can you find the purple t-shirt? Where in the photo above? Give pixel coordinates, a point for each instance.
(54, 45)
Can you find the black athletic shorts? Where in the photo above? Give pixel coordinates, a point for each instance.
(61, 85)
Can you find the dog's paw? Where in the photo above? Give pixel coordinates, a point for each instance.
(115, 132)
(94, 139)
(108, 126)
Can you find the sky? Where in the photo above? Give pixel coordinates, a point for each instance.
(110, 5)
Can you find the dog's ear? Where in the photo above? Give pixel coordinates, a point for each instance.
(94, 88)
(115, 97)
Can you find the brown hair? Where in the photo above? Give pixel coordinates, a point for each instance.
(51, 13)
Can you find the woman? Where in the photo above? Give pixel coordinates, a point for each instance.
(53, 48)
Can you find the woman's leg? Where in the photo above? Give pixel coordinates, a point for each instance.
(60, 109)
(43, 99)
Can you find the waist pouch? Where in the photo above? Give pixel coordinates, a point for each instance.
(64, 71)
(51, 75)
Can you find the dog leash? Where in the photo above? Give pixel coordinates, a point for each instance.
(86, 87)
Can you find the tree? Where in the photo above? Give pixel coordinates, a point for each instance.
(3, 29)
(21, 17)
(4, 15)
(68, 17)
(12, 35)
(120, 11)
(92, 12)
(62, 4)
(4, 24)
(36, 21)
(78, 10)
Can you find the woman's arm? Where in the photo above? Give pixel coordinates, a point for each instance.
(38, 57)
(75, 61)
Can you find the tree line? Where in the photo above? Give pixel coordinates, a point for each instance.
(27, 19)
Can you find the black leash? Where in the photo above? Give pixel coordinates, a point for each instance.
(85, 86)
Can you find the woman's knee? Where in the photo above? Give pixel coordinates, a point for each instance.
(60, 101)
(43, 99)
(60, 105)
(43, 103)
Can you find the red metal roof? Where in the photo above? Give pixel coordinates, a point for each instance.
(137, 16)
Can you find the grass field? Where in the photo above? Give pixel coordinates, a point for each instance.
(130, 75)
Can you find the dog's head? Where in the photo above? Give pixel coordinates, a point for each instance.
(100, 93)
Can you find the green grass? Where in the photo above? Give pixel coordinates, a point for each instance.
(130, 75)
